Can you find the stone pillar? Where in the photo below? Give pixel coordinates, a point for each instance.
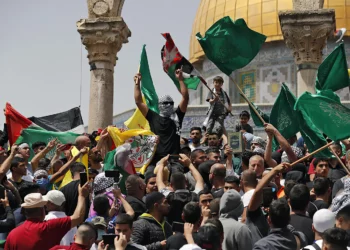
(103, 34)
(305, 31)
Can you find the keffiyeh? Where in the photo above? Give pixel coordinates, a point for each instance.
(297, 151)
(102, 182)
(343, 199)
(260, 141)
(40, 172)
(166, 109)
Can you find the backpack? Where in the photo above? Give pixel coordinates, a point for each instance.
(177, 200)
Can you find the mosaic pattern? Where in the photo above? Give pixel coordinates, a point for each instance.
(247, 84)
(272, 79)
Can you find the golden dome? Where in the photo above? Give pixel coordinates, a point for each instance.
(260, 15)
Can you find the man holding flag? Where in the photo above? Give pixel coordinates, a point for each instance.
(167, 123)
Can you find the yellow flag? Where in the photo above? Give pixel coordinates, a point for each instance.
(137, 120)
(83, 159)
(120, 137)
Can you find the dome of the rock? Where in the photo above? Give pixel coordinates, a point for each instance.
(262, 78)
(260, 15)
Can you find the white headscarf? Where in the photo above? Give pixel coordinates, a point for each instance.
(166, 110)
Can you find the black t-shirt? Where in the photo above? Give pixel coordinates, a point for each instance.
(336, 173)
(137, 205)
(303, 224)
(165, 128)
(315, 206)
(177, 200)
(245, 127)
(18, 185)
(338, 185)
(71, 194)
(176, 241)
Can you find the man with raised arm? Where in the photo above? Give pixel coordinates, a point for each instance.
(168, 122)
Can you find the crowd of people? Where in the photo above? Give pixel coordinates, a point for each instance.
(195, 193)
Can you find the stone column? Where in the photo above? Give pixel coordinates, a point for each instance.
(305, 31)
(103, 34)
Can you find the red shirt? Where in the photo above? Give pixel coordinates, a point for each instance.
(35, 234)
(74, 246)
(312, 166)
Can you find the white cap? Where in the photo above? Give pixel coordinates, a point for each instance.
(34, 200)
(190, 247)
(56, 197)
(323, 220)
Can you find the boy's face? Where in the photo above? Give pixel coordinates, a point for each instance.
(229, 186)
(217, 85)
(125, 229)
(322, 169)
(244, 119)
(342, 223)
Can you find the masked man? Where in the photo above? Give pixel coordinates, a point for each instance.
(168, 122)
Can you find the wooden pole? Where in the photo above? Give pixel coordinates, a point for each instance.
(247, 100)
(206, 85)
(340, 161)
(315, 152)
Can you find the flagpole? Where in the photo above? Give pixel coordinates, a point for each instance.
(211, 91)
(247, 100)
(340, 161)
(315, 152)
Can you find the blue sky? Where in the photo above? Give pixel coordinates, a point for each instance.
(40, 52)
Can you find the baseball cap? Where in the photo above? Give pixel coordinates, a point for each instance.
(323, 219)
(34, 200)
(99, 221)
(56, 197)
(190, 247)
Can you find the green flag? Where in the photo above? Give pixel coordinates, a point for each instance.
(147, 87)
(333, 72)
(312, 136)
(230, 45)
(326, 113)
(31, 135)
(109, 164)
(255, 118)
(283, 116)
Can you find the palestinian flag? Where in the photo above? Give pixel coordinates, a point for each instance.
(70, 120)
(16, 122)
(32, 135)
(173, 60)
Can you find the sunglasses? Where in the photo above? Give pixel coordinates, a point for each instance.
(166, 103)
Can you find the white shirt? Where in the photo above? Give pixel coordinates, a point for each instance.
(29, 177)
(319, 243)
(68, 239)
(247, 197)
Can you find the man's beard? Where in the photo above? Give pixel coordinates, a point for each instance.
(196, 140)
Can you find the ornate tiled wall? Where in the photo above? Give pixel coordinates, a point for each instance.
(261, 80)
